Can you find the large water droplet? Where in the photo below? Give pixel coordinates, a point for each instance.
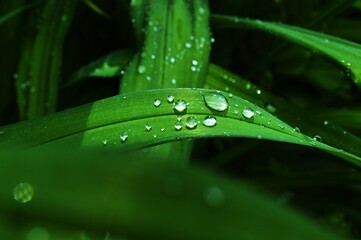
(248, 113)
(191, 122)
(148, 127)
(216, 101)
(209, 121)
(318, 138)
(23, 192)
(214, 197)
(141, 69)
(194, 62)
(123, 136)
(157, 102)
(180, 107)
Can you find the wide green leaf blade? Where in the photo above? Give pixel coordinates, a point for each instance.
(143, 198)
(344, 52)
(120, 122)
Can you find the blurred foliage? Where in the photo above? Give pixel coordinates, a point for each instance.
(57, 55)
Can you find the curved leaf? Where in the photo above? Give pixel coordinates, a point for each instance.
(120, 123)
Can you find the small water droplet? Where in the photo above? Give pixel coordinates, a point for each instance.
(157, 102)
(173, 186)
(259, 137)
(170, 98)
(123, 136)
(258, 91)
(180, 106)
(1, 132)
(248, 113)
(172, 60)
(216, 101)
(191, 122)
(297, 130)
(162, 129)
(325, 122)
(188, 45)
(105, 142)
(317, 138)
(38, 233)
(174, 81)
(213, 40)
(23, 192)
(178, 125)
(214, 197)
(149, 78)
(230, 95)
(194, 62)
(209, 121)
(141, 69)
(193, 68)
(148, 127)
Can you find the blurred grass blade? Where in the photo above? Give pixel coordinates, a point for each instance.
(344, 52)
(137, 196)
(306, 121)
(40, 65)
(16, 12)
(175, 52)
(96, 9)
(108, 66)
(122, 122)
(350, 118)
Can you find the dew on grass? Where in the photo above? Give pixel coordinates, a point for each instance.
(123, 136)
(216, 101)
(248, 113)
(180, 106)
(157, 102)
(209, 121)
(214, 196)
(148, 127)
(191, 122)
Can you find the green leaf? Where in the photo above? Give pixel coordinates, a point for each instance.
(120, 123)
(144, 198)
(346, 53)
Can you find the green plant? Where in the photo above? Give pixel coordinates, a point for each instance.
(155, 98)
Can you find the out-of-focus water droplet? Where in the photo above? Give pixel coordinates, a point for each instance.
(258, 91)
(141, 69)
(213, 40)
(38, 234)
(194, 62)
(105, 142)
(23, 192)
(149, 78)
(188, 45)
(317, 138)
(259, 137)
(123, 136)
(248, 113)
(297, 130)
(174, 81)
(148, 127)
(235, 112)
(325, 122)
(216, 101)
(1, 132)
(162, 129)
(270, 108)
(214, 197)
(180, 106)
(344, 132)
(170, 98)
(157, 102)
(209, 121)
(191, 122)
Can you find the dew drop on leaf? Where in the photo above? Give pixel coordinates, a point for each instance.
(141, 69)
(23, 192)
(191, 122)
(157, 102)
(325, 122)
(248, 113)
(216, 101)
(170, 98)
(123, 136)
(105, 142)
(178, 125)
(180, 106)
(148, 127)
(317, 138)
(270, 108)
(209, 121)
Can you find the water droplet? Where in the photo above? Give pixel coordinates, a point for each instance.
(105, 142)
(178, 125)
(248, 113)
(157, 102)
(193, 68)
(270, 108)
(281, 126)
(188, 45)
(216, 101)
(209, 121)
(297, 130)
(162, 129)
(174, 81)
(317, 138)
(344, 132)
(230, 95)
(213, 40)
(141, 69)
(214, 197)
(235, 112)
(170, 98)
(149, 78)
(180, 107)
(325, 122)
(23, 192)
(191, 122)
(194, 62)
(259, 137)
(123, 136)
(258, 91)
(148, 127)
